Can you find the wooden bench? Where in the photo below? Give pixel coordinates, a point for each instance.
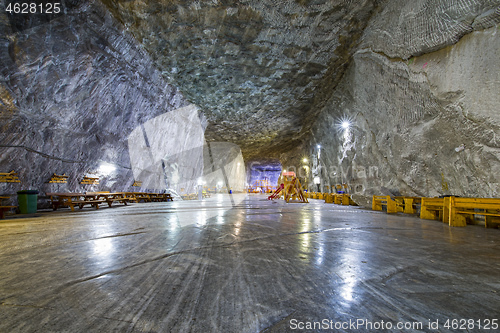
(130, 196)
(343, 199)
(379, 201)
(157, 197)
(433, 209)
(63, 199)
(110, 198)
(74, 199)
(191, 196)
(462, 209)
(142, 196)
(407, 205)
(339, 199)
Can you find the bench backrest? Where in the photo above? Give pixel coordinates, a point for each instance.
(432, 201)
(479, 203)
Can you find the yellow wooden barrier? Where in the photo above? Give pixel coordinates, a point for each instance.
(346, 199)
(460, 209)
(384, 200)
(432, 208)
(407, 205)
(328, 197)
(337, 199)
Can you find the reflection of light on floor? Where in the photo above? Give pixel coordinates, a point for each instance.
(317, 217)
(305, 237)
(220, 216)
(103, 248)
(237, 228)
(173, 222)
(350, 258)
(320, 254)
(347, 289)
(201, 218)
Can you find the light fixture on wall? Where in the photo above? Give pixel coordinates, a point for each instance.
(344, 123)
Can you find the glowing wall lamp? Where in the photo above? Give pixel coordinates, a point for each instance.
(346, 124)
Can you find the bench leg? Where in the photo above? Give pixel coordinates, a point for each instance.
(345, 200)
(376, 204)
(445, 215)
(426, 213)
(399, 205)
(408, 204)
(456, 220)
(492, 221)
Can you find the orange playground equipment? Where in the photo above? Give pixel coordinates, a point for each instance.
(289, 187)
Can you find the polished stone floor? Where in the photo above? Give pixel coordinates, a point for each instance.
(243, 264)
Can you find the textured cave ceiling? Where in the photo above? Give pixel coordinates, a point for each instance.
(259, 70)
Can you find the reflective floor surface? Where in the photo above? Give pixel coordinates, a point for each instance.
(244, 264)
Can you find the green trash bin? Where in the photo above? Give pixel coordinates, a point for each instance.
(27, 201)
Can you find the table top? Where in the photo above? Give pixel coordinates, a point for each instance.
(66, 194)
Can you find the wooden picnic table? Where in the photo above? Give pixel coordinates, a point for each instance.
(151, 197)
(90, 198)
(95, 198)
(112, 197)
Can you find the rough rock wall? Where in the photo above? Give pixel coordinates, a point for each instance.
(260, 69)
(424, 126)
(72, 90)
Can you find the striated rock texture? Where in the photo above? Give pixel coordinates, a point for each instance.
(72, 90)
(425, 126)
(260, 70)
